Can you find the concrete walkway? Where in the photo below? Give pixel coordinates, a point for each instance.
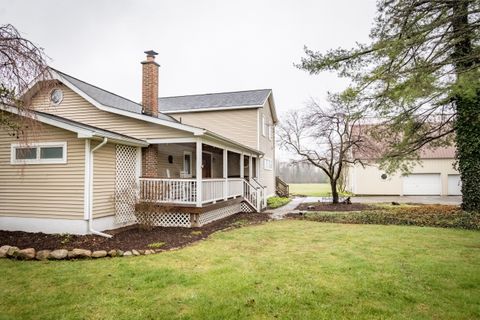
(453, 200)
(280, 213)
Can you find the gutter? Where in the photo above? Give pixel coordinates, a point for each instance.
(90, 191)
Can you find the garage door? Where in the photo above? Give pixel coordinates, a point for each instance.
(454, 185)
(422, 184)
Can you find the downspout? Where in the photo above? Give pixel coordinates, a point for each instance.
(90, 183)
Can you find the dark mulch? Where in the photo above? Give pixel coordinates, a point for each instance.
(128, 238)
(319, 206)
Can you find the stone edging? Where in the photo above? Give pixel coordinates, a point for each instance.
(63, 254)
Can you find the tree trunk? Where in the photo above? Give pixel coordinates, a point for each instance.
(468, 150)
(333, 186)
(467, 125)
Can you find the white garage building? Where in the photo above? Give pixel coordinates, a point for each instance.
(434, 176)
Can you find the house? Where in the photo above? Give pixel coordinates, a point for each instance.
(434, 175)
(98, 156)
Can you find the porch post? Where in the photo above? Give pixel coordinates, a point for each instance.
(250, 169)
(198, 171)
(242, 174)
(225, 174)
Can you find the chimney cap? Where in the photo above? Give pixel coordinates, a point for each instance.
(151, 53)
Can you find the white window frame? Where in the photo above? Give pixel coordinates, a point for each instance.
(191, 162)
(263, 125)
(270, 133)
(267, 167)
(38, 146)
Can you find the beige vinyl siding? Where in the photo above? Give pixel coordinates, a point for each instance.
(43, 190)
(177, 151)
(267, 146)
(368, 180)
(103, 180)
(238, 125)
(76, 108)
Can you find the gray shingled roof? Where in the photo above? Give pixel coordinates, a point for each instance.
(214, 100)
(109, 99)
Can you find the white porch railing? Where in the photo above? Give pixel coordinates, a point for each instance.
(212, 190)
(181, 191)
(184, 191)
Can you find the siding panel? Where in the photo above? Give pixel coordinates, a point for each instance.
(43, 190)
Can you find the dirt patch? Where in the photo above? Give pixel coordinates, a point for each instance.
(163, 238)
(319, 206)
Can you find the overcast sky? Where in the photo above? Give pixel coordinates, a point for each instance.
(204, 46)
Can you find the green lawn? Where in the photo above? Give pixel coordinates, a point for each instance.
(310, 189)
(285, 269)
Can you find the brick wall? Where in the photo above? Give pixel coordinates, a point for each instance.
(150, 168)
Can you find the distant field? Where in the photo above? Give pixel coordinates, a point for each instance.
(310, 189)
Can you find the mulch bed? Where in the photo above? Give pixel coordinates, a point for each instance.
(128, 238)
(335, 207)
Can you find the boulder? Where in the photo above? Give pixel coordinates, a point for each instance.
(79, 253)
(43, 254)
(25, 254)
(127, 253)
(58, 254)
(3, 251)
(120, 253)
(112, 253)
(12, 251)
(141, 251)
(99, 254)
(147, 252)
(135, 252)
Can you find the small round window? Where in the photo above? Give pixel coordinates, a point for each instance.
(56, 96)
(384, 176)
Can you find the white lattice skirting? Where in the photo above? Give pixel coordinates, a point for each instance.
(164, 219)
(246, 208)
(217, 214)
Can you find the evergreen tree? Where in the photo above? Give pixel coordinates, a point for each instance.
(421, 73)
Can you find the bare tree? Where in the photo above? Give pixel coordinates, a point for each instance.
(326, 137)
(21, 62)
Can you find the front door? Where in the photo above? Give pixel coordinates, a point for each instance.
(206, 165)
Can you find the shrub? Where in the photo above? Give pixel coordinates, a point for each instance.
(425, 215)
(276, 202)
(156, 245)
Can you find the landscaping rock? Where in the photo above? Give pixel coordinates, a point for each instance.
(135, 252)
(120, 253)
(25, 254)
(12, 251)
(79, 253)
(99, 254)
(3, 251)
(127, 253)
(141, 251)
(43, 254)
(112, 253)
(148, 252)
(58, 254)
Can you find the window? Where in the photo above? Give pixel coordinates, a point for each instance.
(41, 153)
(267, 164)
(270, 132)
(187, 162)
(264, 131)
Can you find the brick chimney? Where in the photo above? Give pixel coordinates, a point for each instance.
(150, 84)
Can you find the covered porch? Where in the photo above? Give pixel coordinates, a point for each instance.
(199, 172)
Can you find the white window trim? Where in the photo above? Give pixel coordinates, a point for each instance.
(14, 146)
(191, 162)
(263, 125)
(270, 133)
(265, 167)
